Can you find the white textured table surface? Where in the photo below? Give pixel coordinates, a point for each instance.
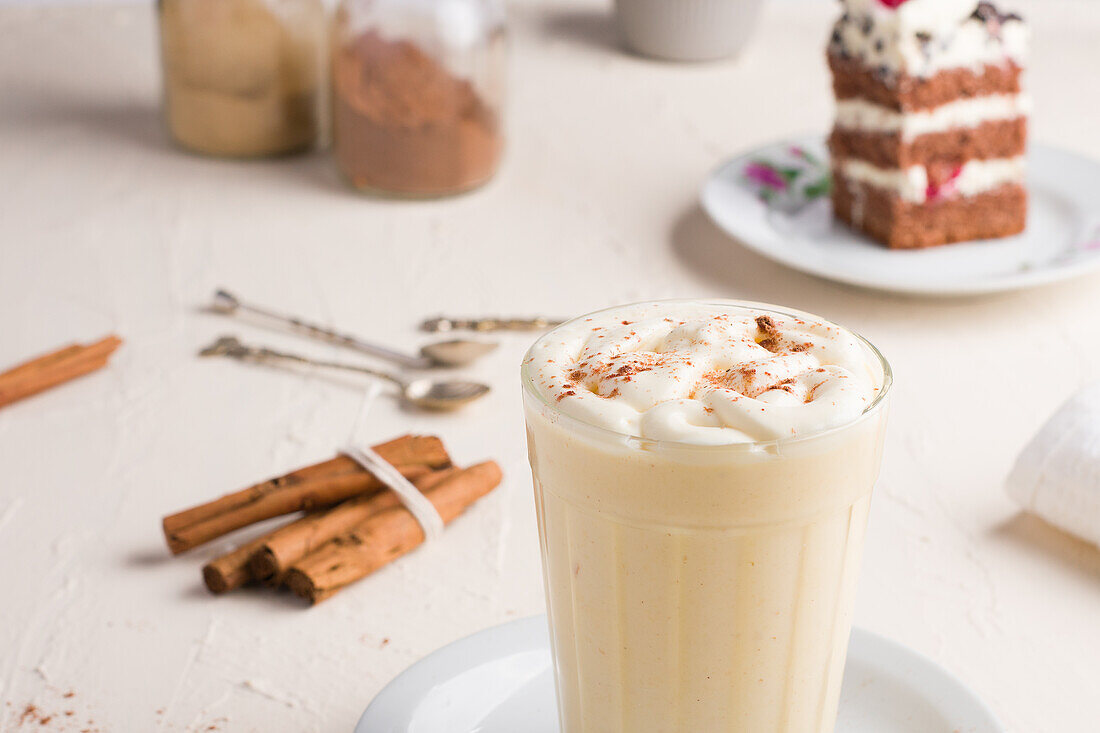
(104, 228)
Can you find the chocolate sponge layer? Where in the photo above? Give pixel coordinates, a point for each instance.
(900, 224)
(904, 93)
(995, 139)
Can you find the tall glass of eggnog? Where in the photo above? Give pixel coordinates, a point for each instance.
(703, 471)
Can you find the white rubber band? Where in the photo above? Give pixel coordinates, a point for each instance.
(417, 504)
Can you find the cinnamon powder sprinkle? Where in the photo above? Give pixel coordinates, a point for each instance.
(767, 325)
(787, 385)
(810, 394)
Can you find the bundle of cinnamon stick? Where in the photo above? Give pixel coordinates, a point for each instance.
(57, 367)
(350, 523)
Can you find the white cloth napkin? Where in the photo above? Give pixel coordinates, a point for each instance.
(1057, 476)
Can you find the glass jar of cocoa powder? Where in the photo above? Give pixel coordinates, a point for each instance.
(243, 78)
(418, 89)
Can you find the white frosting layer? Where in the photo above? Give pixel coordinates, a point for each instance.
(923, 37)
(912, 184)
(859, 114)
(705, 373)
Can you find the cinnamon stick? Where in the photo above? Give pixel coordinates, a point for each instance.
(230, 571)
(401, 450)
(308, 488)
(57, 367)
(42, 362)
(307, 495)
(271, 559)
(385, 536)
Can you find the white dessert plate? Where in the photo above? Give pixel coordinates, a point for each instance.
(499, 681)
(1062, 239)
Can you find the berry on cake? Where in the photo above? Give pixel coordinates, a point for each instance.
(931, 122)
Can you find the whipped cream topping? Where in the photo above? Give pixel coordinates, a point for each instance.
(916, 15)
(705, 373)
(923, 37)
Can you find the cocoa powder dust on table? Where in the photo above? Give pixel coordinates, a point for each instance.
(404, 124)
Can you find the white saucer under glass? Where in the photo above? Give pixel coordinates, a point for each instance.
(1062, 239)
(500, 681)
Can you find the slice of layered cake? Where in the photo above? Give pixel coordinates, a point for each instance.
(931, 124)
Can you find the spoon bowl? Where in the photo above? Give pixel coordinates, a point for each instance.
(434, 394)
(457, 352)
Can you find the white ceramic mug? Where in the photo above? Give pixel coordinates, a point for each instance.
(687, 30)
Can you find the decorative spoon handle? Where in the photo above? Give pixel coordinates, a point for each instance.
(231, 347)
(228, 303)
(442, 323)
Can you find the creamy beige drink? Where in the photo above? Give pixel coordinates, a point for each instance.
(703, 472)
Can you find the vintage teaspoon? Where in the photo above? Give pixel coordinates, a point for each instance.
(483, 325)
(433, 394)
(454, 353)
